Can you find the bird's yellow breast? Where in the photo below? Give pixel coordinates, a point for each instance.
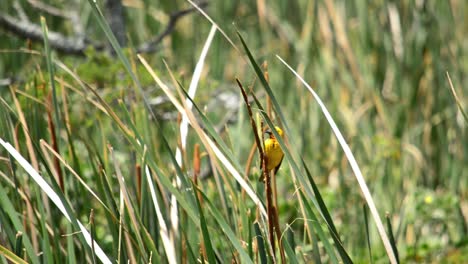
(273, 153)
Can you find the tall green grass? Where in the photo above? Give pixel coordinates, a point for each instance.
(89, 129)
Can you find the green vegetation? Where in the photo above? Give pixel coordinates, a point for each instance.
(100, 142)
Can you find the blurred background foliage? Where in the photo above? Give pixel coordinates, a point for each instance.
(379, 66)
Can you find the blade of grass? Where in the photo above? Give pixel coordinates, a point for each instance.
(265, 84)
(457, 100)
(204, 230)
(191, 93)
(19, 243)
(246, 222)
(328, 219)
(46, 244)
(54, 130)
(71, 257)
(11, 256)
(260, 244)
(131, 254)
(50, 69)
(318, 228)
(190, 257)
(163, 231)
(213, 23)
(315, 248)
(184, 123)
(289, 249)
(366, 222)
(392, 238)
(354, 166)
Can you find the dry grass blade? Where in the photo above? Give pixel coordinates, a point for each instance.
(457, 100)
(184, 124)
(192, 90)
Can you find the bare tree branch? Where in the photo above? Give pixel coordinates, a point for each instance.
(77, 45)
(32, 31)
(150, 46)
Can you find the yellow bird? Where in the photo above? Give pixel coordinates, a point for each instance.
(273, 153)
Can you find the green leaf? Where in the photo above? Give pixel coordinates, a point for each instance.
(331, 226)
(392, 238)
(260, 244)
(289, 247)
(314, 224)
(11, 256)
(206, 235)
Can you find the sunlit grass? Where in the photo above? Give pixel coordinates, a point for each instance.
(380, 69)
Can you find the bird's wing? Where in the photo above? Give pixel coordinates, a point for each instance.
(279, 165)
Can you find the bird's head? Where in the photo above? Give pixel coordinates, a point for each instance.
(279, 130)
